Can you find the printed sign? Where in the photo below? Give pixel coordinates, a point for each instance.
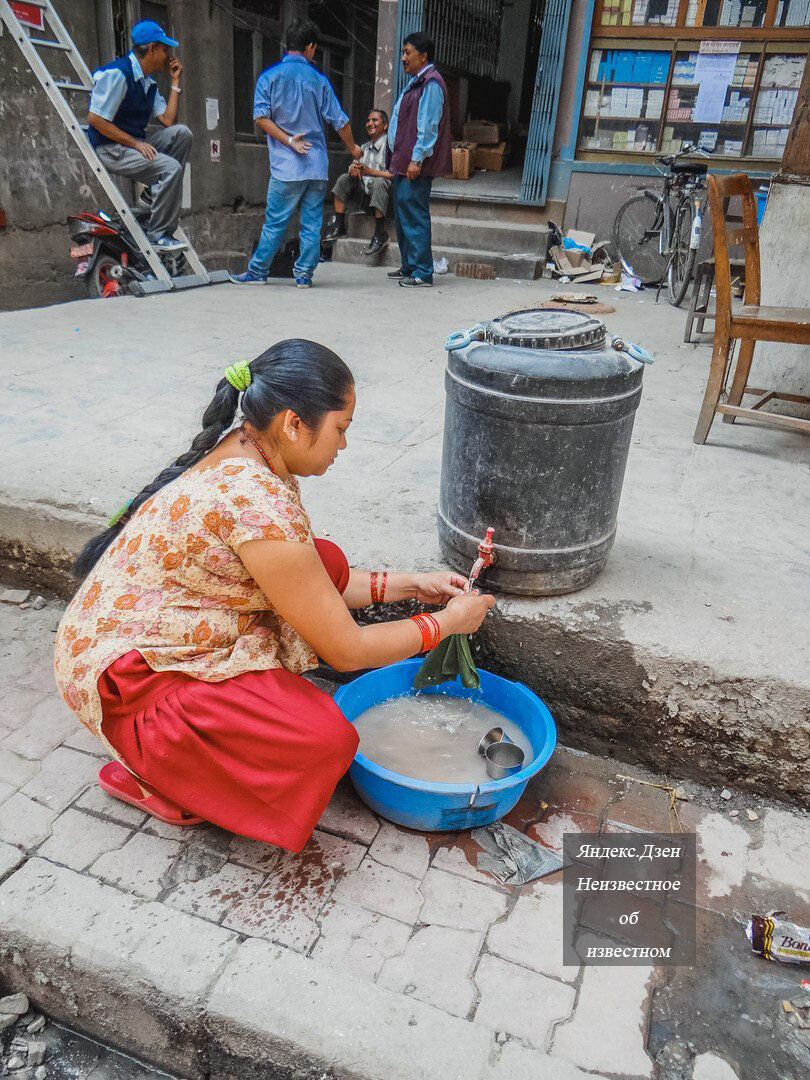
(215, 150)
(29, 15)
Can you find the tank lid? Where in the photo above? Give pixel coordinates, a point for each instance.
(541, 328)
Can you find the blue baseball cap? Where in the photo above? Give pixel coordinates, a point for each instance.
(147, 31)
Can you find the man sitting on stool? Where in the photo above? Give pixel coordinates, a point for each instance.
(125, 98)
(357, 189)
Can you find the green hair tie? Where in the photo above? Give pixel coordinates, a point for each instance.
(238, 375)
(119, 513)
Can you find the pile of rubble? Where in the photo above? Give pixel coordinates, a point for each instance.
(23, 1054)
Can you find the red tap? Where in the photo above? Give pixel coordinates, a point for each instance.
(486, 557)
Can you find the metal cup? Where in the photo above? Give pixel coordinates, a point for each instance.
(494, 735)
(503, 759)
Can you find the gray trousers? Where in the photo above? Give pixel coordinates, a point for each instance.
(350, 191)
(164, 175)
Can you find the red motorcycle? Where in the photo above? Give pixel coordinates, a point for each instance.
(107, 257)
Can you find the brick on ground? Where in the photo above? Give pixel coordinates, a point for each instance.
(458, 854)
(78, 839)
(10, 858)
(50, 724)
(358, 941)
(64, 775)
(346, 815)
(99, 802)
(608, 1032)
(436, 966)
(556, 823)
(254, 854)
(84, 739)
(401, 849)
(520, 1002)
(16, 770)
(6, 790)
(139, 866)
(642, 807)
(456, 902)
(382, 889)
(24, 822)
(213, 896)
(530, 936)
(568, 785)
(17, 704)
(286, 907)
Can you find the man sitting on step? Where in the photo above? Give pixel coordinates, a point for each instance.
(125, 98)
(359, 190)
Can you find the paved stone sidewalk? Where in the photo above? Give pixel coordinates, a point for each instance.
(377, 951)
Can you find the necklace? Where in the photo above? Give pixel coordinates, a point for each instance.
(267, 460)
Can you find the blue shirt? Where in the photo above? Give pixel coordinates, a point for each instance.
(110, 86)
(428, 115)
(299, 99)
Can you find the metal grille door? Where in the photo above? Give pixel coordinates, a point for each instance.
(544, 103)
(410, 17)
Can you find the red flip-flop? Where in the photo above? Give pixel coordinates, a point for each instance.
(121, 784)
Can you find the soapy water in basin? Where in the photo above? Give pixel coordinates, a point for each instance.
(433, 737)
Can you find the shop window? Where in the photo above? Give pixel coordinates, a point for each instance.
(659, 82)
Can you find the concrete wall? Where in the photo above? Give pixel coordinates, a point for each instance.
(45, 178)
(594, 199)
(783, 251)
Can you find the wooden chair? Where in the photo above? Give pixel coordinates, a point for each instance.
(748, 324)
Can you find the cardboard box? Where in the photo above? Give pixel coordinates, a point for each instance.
(463, 159)
(484, 132)
(492, 158)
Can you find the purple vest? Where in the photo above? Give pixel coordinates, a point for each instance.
(440, 162)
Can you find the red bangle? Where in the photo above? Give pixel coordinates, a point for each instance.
(378, 592)
(430, 630)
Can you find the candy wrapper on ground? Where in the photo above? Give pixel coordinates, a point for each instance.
(773, 937)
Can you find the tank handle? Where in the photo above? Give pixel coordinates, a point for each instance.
(460, 339)
(636, 351)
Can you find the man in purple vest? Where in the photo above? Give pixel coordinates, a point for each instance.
(419, 139)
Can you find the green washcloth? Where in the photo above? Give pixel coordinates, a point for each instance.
(451, 657)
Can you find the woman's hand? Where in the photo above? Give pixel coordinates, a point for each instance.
(466, 612)
(438, 588)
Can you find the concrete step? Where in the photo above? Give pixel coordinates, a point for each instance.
(525, 266)
(452, 205)
(471, 233)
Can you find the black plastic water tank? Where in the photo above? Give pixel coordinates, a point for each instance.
(537, 430)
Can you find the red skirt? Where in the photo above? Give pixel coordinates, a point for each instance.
(259, 754)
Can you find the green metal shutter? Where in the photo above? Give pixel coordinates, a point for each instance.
(544, 104)
(410, 17)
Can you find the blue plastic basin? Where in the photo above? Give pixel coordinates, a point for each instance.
(421, 804)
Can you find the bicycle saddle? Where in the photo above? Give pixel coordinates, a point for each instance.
(689, 167)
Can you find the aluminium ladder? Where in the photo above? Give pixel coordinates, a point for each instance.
(56, 87)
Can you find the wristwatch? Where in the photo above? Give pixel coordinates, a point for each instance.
(177, 89)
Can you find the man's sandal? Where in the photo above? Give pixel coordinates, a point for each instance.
(121, 784)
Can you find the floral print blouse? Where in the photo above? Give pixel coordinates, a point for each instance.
(173, 587)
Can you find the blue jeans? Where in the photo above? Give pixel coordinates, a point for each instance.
(283, 198)
(412, 218)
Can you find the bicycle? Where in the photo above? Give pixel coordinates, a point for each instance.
(657, 235)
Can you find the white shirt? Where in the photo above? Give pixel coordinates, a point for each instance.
(374, 157)
(109, 88)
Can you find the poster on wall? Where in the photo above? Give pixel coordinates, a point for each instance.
(714, 72)
(29, 15)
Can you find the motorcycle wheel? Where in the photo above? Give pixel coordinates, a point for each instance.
(99, 277)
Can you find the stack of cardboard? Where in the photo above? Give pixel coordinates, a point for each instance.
(581, 266)
(492, 158)
(484, 132)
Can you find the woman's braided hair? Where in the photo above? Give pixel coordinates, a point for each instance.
(295, 374)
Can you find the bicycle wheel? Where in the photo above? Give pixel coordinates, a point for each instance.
(682, 262)
(636, 237)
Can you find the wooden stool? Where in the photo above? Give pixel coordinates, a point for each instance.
(699, 310)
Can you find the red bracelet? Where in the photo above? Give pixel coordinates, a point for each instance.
(378, 593)
(430, 630)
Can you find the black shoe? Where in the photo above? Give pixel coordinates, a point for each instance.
(416, 283)
(378, 242)
(398, 274)
(335, 228)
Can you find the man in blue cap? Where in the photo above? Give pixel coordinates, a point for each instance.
(125, 98)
